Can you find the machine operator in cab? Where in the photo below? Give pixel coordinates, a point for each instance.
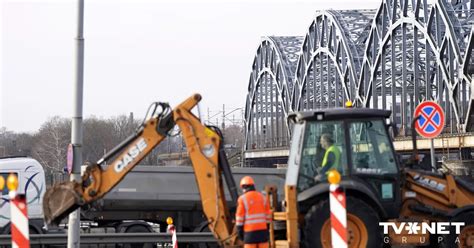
(331, 158)
(332, 155)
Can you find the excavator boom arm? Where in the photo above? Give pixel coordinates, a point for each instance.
(203, 144)
(99, 178)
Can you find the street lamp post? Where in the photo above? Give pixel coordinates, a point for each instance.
(76, 128)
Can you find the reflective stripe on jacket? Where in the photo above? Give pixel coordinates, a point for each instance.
(253, 214)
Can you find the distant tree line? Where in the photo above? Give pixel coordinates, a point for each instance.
(49, 144)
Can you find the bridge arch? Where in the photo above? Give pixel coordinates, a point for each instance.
(326, 75)
(268, 102)
(413, 54)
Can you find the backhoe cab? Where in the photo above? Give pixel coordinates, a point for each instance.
(366, 161)
(378, 189)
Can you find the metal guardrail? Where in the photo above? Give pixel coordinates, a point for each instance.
(115, 238)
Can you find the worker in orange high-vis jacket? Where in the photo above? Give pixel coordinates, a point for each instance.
(253, 216)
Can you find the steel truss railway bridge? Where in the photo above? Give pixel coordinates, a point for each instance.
(394, 57)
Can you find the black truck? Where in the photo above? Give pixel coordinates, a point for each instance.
(143, 200)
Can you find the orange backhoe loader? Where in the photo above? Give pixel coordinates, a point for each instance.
(204, 147)
(378, 188)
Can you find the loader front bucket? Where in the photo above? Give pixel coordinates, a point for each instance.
(59, 201)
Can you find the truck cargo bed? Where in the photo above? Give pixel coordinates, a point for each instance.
(153, 192)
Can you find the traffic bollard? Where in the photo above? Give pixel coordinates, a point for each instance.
(337, 205)
(172, 229)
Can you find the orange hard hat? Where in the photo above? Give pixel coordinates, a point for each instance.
(247, 180)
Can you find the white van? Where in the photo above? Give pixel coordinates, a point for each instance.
(31, 180)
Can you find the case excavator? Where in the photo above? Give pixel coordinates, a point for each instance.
(377, 186)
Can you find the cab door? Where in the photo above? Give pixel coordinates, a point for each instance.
(373, 162)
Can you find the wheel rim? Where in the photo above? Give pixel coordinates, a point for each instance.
(357, 232)
(466, 237)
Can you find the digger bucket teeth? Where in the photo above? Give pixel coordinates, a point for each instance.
(59, 201)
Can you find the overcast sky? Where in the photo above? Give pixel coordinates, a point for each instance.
(137, 52)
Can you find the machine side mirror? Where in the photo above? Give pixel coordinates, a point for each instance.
(394, 128)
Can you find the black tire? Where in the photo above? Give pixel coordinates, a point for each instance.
(138, 229)
(319, 213)
(452, 239)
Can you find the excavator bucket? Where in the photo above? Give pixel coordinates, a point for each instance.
(59, 201)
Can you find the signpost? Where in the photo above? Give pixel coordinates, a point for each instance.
(430, 123)
(73, 240)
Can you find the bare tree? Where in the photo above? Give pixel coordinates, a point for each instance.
(99, 136)
(233, 135)
(50, 145)
(6, 142)
(15, 144)
(24, 144)
(123, 126)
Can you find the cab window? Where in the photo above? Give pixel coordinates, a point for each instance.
(371, 149)
(323, 150)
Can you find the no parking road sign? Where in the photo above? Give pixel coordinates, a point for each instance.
(431, 121)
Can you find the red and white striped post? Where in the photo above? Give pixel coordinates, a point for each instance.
(172, 229)
(19, 215)
(337, 205)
